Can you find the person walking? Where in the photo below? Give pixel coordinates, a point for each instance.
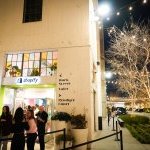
(5, 126)
(109, 115)
(19, 125)
(42, 117)
(32, 132)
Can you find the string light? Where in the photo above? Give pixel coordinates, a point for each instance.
(144, 40)
(144, 1)
(130, 8)
(96, 18)
(100, 27)
(110, 31)
(107, 18)
(118, 13)
(122, 33)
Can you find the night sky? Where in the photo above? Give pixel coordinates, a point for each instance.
(139, 13)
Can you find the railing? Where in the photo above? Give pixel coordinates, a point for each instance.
(92, 141)
(85, 143)
(63, 130)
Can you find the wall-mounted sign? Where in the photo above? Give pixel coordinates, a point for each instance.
(28, 80)
(64, 90)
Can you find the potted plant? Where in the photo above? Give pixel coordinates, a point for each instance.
(60, 120)
(78, 121)
(53, 68)
(79, 129)
(14, 71)
(59, 140)
(35, 72)
(61, 116)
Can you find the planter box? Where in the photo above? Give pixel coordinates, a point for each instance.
(80, 136)
(61, 145)
(59, 125)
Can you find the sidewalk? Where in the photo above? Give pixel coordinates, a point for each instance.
(129, 142)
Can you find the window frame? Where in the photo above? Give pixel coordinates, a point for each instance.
(48, 70)
(32, 12)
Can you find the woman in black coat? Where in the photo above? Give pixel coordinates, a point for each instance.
(5, 126)
(19, 125)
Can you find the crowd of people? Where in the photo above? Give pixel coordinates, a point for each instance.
(21, 125)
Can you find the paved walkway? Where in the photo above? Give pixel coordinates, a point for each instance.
(129, 142)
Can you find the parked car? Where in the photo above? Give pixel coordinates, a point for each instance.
(139, 110)
(121, 111)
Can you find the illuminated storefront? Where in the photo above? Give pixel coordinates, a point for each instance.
(22, 83)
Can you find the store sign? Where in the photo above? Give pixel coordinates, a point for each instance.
(28, 80)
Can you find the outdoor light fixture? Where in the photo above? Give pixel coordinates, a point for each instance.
(104, 9)
(108, 74)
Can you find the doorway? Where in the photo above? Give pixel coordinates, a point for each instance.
(23, 97)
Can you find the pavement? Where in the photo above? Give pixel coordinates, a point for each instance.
(129, 142)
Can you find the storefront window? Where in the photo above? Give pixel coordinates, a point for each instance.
(31, 64)
(13, 65)
(48, 63)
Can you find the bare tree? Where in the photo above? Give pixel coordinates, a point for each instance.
(129, 56)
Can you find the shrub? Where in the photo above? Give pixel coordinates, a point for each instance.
(147, 110)
(138, 126)
(78, 121)
(134, 119)
(61, 116)
(140, 134)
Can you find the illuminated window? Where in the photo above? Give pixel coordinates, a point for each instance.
(48, 63)
(32, 10)
(13, 65)
(31, 64)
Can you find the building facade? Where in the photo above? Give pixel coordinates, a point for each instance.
(51, 56)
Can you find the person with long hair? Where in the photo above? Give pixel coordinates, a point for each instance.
(32, 132)
(5, 126)
(19, 125)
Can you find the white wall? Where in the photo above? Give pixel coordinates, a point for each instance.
(64, 24)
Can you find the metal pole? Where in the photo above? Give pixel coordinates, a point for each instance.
(117, 139)
(108, 118)
(64, 138)
(113, 125)
(121, 140)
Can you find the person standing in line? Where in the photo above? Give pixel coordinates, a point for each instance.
(109, 114)
(42, 117)
(19, 125)
(5, 126)
(32, 132)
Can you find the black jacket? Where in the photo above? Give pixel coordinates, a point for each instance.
(5, 124)
(41, 124)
